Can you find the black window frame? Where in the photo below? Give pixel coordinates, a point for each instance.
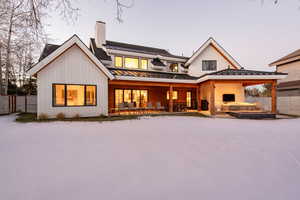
(130, 94)
(207, 65)
(65, 98)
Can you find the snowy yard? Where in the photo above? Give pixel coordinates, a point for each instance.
(168, 158)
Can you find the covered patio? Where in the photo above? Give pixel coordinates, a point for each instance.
(137, 97)
(225, 96)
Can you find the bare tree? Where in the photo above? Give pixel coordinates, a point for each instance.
(22, 31)
(120, 8)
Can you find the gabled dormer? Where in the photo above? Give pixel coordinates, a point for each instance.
(210, 57)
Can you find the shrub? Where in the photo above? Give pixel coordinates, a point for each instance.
(76, 116)
(43, 116)
(60, 116)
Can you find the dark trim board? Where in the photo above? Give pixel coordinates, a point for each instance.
(252, 115)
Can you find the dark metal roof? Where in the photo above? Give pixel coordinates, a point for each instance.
(140, 49)
(99, 52)
(48, 49)
(242, 72)
(157, 62)
(150, 74)
(291, 55)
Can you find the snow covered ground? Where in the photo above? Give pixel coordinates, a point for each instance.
(167, 158)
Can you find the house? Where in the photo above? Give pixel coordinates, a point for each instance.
(288, 89)
(108, 77)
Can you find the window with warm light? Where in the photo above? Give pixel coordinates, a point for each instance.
(74, 95)
(59, 95)
(174, 67)
(90, 95)
(138, 97)
(144, 64)
(174, 96)
(132, 63)
(189, 99)
(118, 61)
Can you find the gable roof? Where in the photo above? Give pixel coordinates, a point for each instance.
(139, 49)
(99, 52)
(218, 48)
(48, 49)
(288, 58)
(243, 72)
(74, 40)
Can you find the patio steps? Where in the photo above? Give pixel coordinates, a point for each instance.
(252, 115)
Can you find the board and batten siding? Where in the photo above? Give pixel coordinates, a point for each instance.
(72, 67)
(209, 53)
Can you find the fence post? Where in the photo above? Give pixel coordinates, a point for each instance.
(25, 103)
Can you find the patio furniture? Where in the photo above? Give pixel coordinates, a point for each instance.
(131, 107)
(149, 106)
(122, 107)
(159, 106)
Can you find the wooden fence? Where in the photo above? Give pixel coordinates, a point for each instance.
(12, 104)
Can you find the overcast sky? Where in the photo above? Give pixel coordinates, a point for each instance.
(254, 34)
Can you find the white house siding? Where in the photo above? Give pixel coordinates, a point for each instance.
(195, 68)
(227, 88)
(293, 70)
(72, 67)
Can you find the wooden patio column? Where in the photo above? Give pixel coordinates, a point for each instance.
(198, 95)
(212, 98)
(274, 96)
(171, 98)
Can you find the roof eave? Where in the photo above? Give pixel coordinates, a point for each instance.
(282, 62)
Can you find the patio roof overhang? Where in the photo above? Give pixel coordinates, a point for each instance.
(182, 78)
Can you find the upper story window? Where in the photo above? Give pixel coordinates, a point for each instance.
(131, 63)
(174, 67)
(209, 65)
(144, 64)
(118, 61)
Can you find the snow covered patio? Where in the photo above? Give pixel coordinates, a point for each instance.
(153, 158)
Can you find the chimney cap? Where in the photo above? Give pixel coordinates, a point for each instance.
(100, 22)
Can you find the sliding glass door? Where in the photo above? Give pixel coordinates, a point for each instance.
(138, 97)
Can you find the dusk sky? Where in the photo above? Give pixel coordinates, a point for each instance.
(254, 34)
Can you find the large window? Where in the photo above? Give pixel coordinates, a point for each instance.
(174, 96)
(118, 61)
(74, 95)
(138, 97)
(209, 65)
(132, 63)
(174, 67)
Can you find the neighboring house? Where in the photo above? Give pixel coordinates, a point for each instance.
(288, 89)
(104, 77)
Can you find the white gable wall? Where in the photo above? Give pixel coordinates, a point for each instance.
(72, 67)
(209, 53)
